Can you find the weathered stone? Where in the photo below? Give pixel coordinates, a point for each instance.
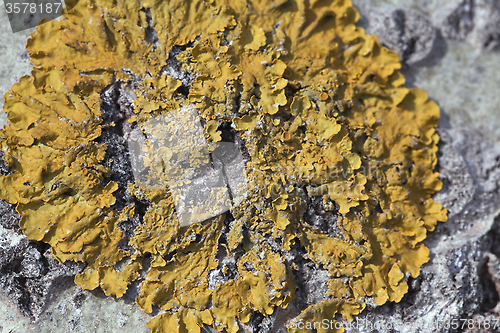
(455, 19)
(487, 24)
(407, 31)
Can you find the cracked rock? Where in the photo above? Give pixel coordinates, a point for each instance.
(486, 34)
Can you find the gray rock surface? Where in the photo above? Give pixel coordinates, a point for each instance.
(408, 32)
(486, 33)
(455, 19)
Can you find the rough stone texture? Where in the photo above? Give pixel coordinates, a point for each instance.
(477, 21)
(406, 25)
(9, 218)
(450, 48)
(455, 19)
(79, 311)
(408, 32)
(487, 20)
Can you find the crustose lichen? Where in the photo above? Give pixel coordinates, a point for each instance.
(340, 157)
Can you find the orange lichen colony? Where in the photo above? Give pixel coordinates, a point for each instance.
(321, 109)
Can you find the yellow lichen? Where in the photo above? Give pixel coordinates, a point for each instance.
(321, 109)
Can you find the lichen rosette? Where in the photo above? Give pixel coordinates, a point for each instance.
(340, 157)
